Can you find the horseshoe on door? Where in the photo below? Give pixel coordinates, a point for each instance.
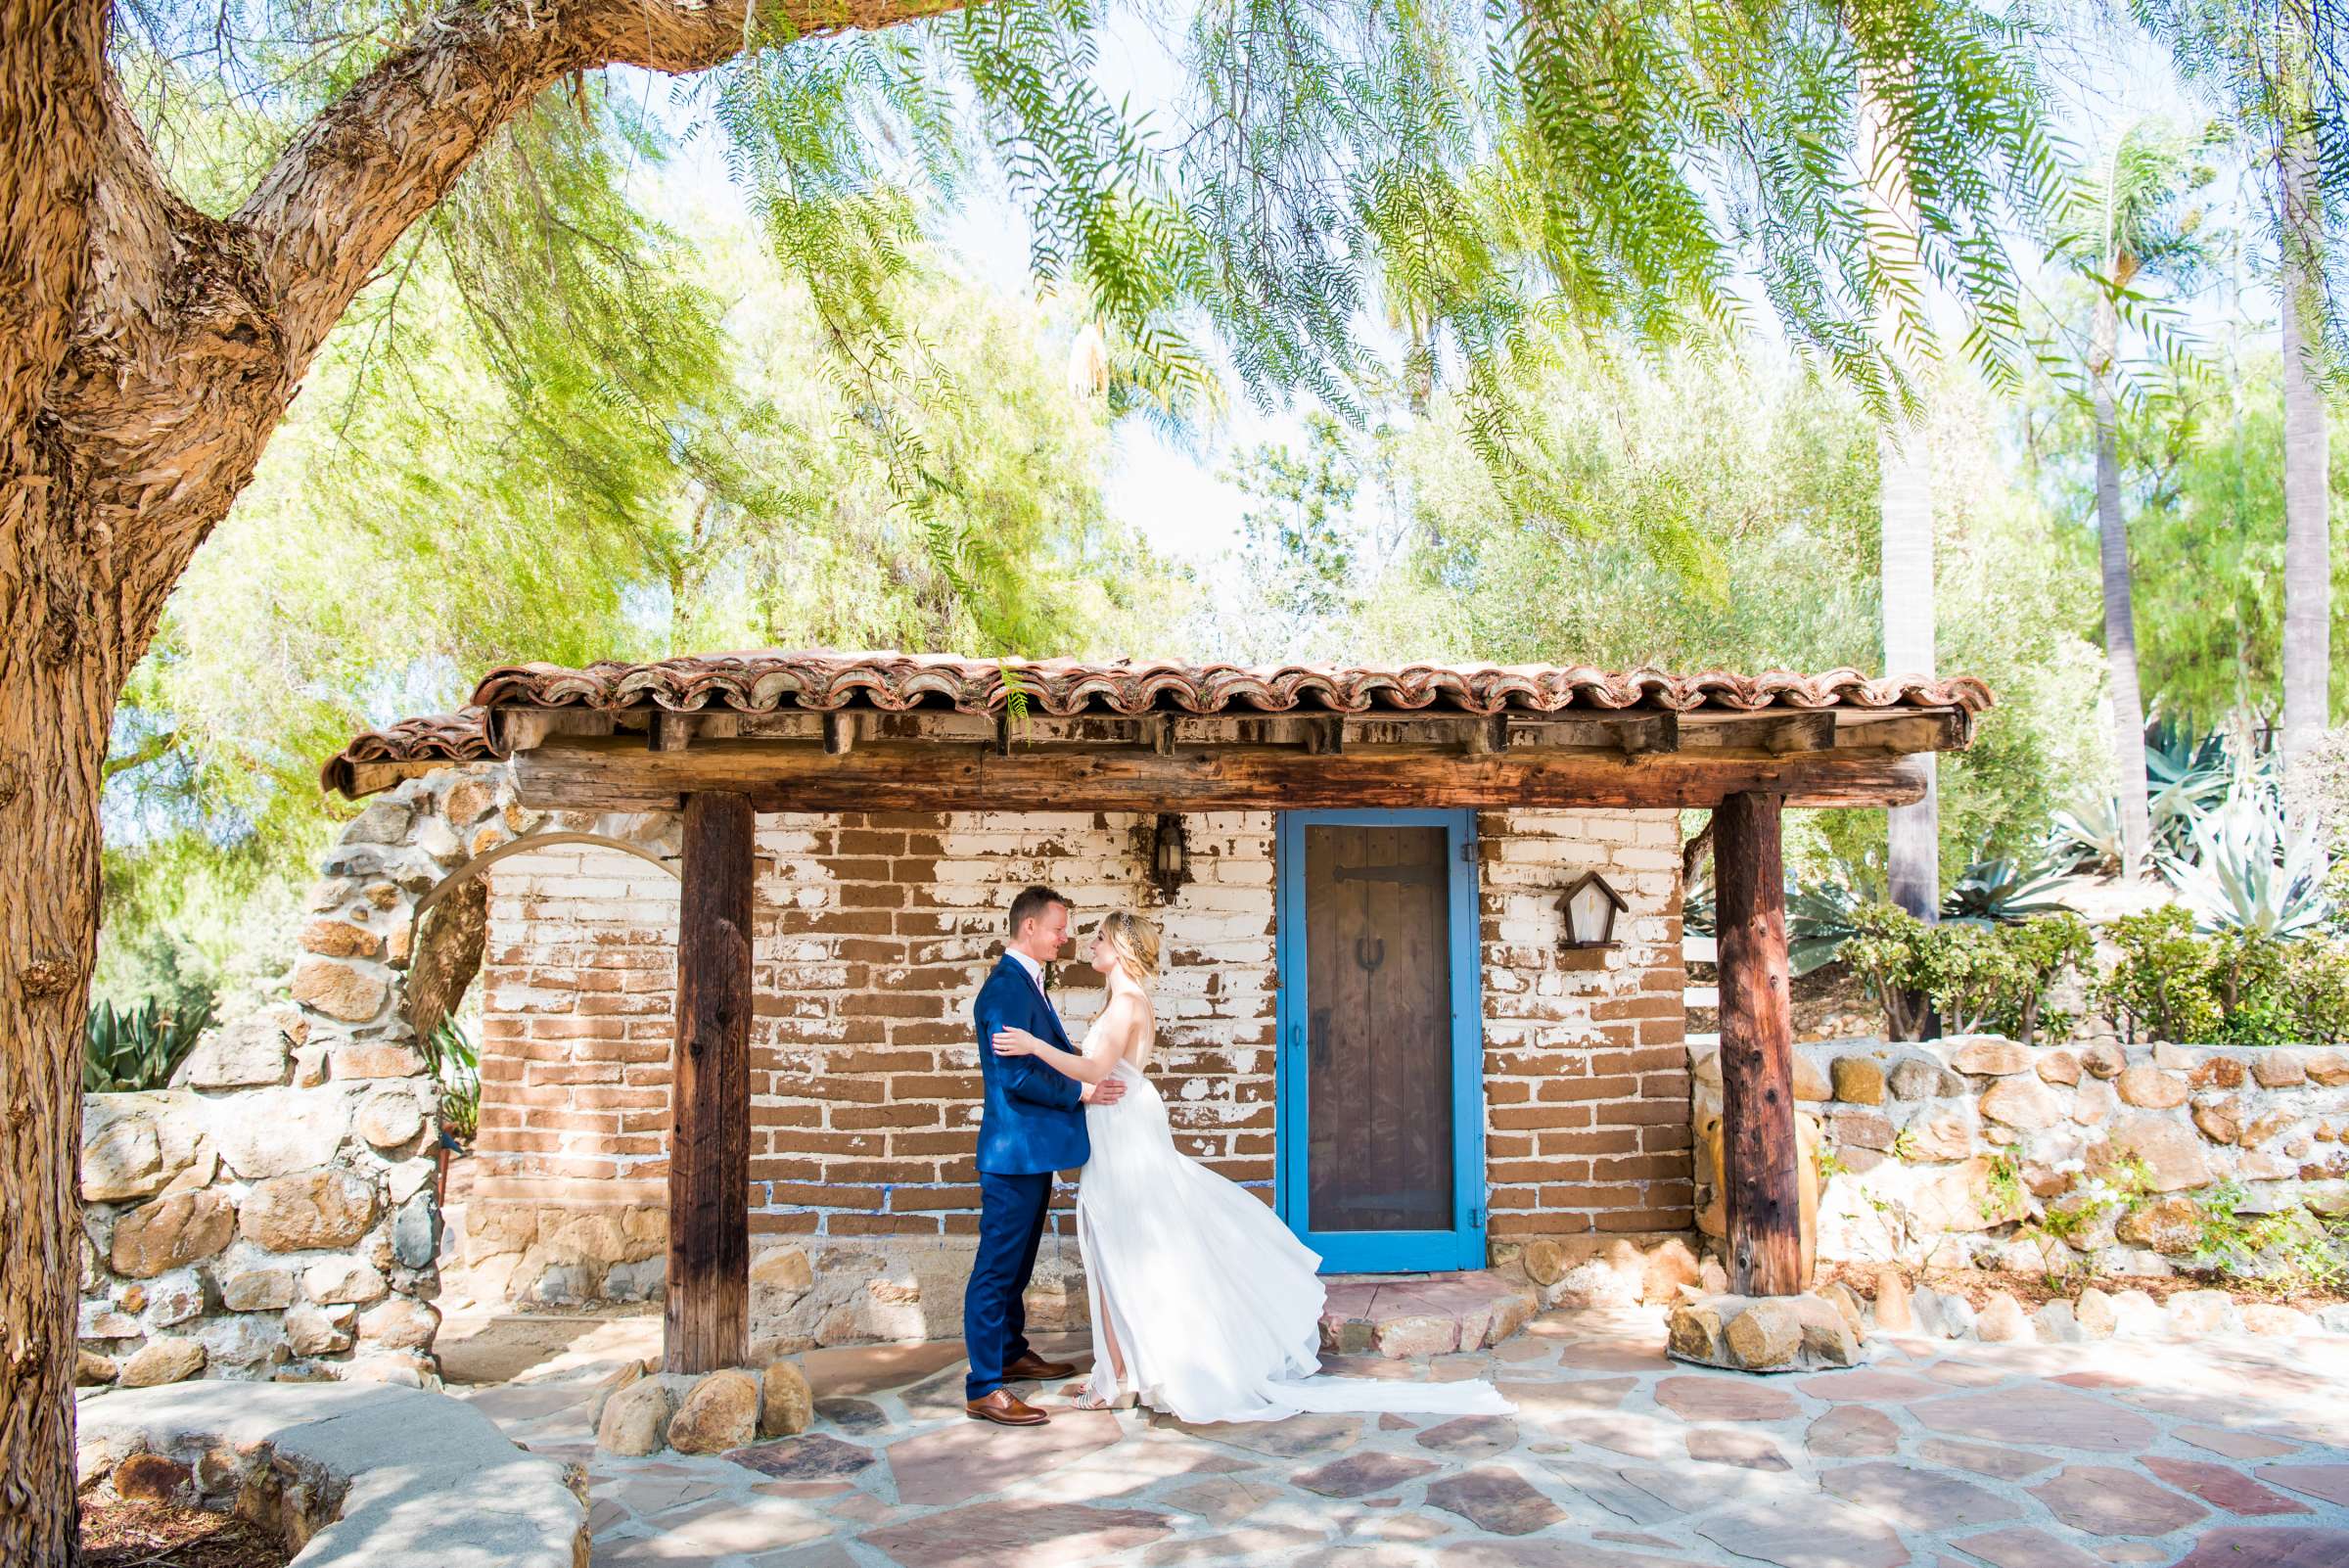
(1369, 952)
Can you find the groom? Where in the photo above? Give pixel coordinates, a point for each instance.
(1032, 1124)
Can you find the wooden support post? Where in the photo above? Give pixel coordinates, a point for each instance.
(707, 1322)
(1759, 1150)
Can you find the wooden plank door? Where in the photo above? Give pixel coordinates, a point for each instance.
(1381, 1110)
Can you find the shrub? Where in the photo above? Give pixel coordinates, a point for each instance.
(2233, 988)
(137, 1049)
(2161, 988)
(1994, 977)
(2315, 986)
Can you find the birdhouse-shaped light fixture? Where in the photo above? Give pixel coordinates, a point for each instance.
(1170, 856)
(1590, 908)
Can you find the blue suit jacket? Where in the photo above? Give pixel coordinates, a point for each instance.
(1033, 1119)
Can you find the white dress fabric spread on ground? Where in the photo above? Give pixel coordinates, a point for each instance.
(1217, 1307)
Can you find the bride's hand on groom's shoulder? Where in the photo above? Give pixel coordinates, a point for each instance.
(1015, 1042)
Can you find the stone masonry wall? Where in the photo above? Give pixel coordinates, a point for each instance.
(872, 933)
(1977, 1151)
(272, 1213)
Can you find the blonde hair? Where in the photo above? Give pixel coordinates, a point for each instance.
(1133, 940)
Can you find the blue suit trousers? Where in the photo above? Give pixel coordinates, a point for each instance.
(1012, 1210)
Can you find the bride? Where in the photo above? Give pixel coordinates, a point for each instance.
(1204, 1305)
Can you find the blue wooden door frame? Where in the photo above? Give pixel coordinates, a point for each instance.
(1385, 1251)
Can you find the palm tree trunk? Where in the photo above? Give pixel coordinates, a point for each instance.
(2307, 543)
(1913, 852)
(1904, 502)
(2120, 617)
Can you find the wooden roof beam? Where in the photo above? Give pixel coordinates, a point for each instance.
(618, 774)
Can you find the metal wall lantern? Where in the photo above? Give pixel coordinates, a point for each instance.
(1170, 856)
(1591, 906)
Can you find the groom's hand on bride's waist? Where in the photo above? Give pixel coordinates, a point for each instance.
(1108, 1091)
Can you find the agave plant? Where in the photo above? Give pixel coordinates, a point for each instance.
(2003, 892)
(1818, 922)
(2088, 834)
(138, 1049)
(2186, 777)
(2250, 872)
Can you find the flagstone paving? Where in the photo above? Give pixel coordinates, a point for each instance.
(1936, 1454)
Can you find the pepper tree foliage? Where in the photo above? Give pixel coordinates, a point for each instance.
(1495, 178)
(2282, 68)
(1340, 199)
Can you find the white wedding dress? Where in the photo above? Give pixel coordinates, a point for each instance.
(1216, 1306)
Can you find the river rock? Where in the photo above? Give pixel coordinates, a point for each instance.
(2171, 1150)
(400, 1323)
(413, 1242)
(170, 1232)
(720, 1413)
(2150, 1088)
(315, 1330)
(1894, 1314)
(339, 939)
(374, 1058)
(1856, 1081)
(1767, 1333)
(309, 1210)
(1987, 1056)
(2167, 1224)
(164, 1359)
(781, 1274)
(2003, 1321)
(1946, 1135)
(2023, 1103)
(338, 989)
(250, 1052)
(271, 1133)
(786, 1403)
(2279, 1069)
(1810, 1084)
(390, 1118)
(1916, 1078)
(257, 1290)
(1544, 1262)
(333, 1280)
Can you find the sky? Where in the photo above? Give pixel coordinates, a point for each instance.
(1177, 495)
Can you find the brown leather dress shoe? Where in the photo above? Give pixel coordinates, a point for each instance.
(1005, 1408)
(1032, 1365)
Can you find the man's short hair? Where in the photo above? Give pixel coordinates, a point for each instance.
(1030, 905)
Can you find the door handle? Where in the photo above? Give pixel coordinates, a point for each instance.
(1320, 1036)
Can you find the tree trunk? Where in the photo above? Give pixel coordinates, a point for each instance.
(2307, 540)
(1905, 503)
(2120, 617)
(56, 706)
(146, 351)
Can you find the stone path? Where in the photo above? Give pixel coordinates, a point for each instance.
(1938, 1454)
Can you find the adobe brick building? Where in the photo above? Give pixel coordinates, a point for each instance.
(1374, 1010)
